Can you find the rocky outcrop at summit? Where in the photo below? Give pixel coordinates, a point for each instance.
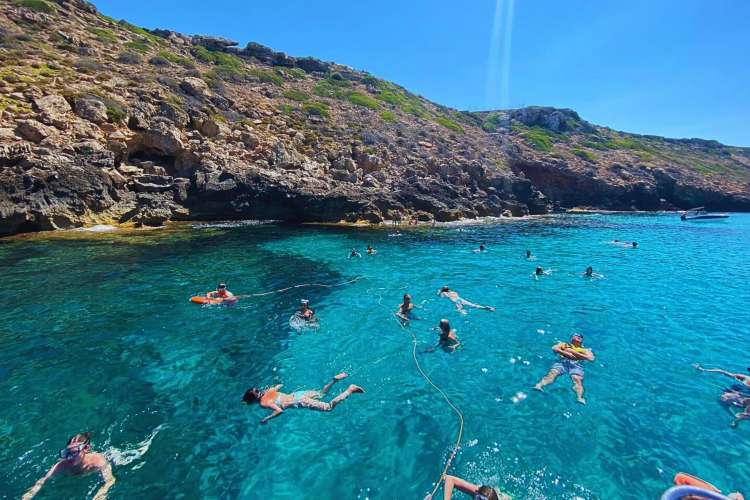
(105, 122)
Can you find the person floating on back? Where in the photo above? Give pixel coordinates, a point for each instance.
(571, 360)
(277, 401)
(404, 310)
(220, 293)
(459, 302)
(371, 251)
(77, 459)
(354, 253)
(474, 491)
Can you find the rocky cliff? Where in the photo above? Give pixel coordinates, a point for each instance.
(103, 121)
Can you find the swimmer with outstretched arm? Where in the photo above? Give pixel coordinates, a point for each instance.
(740, 377)
(277, 401)
(539, 271)
(77, 459)
(459, 302)
(477, 492)
(735, 396)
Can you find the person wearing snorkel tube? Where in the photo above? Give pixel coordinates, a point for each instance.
(476, 492)
(77, 459)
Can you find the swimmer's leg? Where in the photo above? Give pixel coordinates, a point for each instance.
(578, 388)
(328, 386)
(314, 404)
(476, 306)
(547, 380)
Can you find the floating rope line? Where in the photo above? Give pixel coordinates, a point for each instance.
(458, 412)
(304, 285)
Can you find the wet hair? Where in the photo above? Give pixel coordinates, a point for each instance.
(528, 252)
(635, 244)
(251, 396)
(577, 335)
(487, 492)
(444, 325)
(407, 297)
(221, 285)
(444, 289)
(82, 438)
(539, 270)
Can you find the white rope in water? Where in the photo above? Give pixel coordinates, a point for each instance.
(303, 285)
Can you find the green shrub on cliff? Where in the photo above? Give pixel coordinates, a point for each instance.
(104, 35)
(116, 114)
(138, 46)
(176, 59)
(315, 109)
(267, 76)
(388, 116)
(37, 5)
(297, 95)
(582, 153)
(331, 87)
(539, 138)
(449, 124)
(362, 100)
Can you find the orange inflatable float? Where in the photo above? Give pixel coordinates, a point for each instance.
(203, 300)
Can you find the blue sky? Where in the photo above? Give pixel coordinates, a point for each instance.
(677, 68)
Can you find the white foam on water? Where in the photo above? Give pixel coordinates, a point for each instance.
(126, 457)
(99, 228)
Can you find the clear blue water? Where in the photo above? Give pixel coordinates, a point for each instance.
(96, 334)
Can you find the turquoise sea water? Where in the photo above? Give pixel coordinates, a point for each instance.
(97, 334)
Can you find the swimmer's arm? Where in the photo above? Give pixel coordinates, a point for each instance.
(588, 355)
(457, 482)
(109, 481)
(38, 486)
(738, 376)
(276, 412)
(560, 349)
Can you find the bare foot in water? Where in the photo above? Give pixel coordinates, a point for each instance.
(490, 309)
(539, 387)
(582, 401)
(355, 388)
(341, 376)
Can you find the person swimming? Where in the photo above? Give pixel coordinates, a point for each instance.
(477, 492)
(305, 312)
(404, 310)
(480, 249)
(447, 339)
(77, 459)
(589, 273)
(459, 302)
(626, 244)
(354, 253)
(738, 395)
(277, 401)
(571, 356)
(371, 251)
(539, 271)
(528, 254)
(220, 293)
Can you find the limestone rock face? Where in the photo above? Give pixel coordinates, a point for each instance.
(195, 87)
(53, 110)
(32, 130)
(164, 139)
(92, 110)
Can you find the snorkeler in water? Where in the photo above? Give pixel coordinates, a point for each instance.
(77, 460)
(404, 310)
(737, 395)
(589, 273)
(277, 401)
(571, 360)
(539, 271)
(459, 302)
(476, 492)
(354, 253)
